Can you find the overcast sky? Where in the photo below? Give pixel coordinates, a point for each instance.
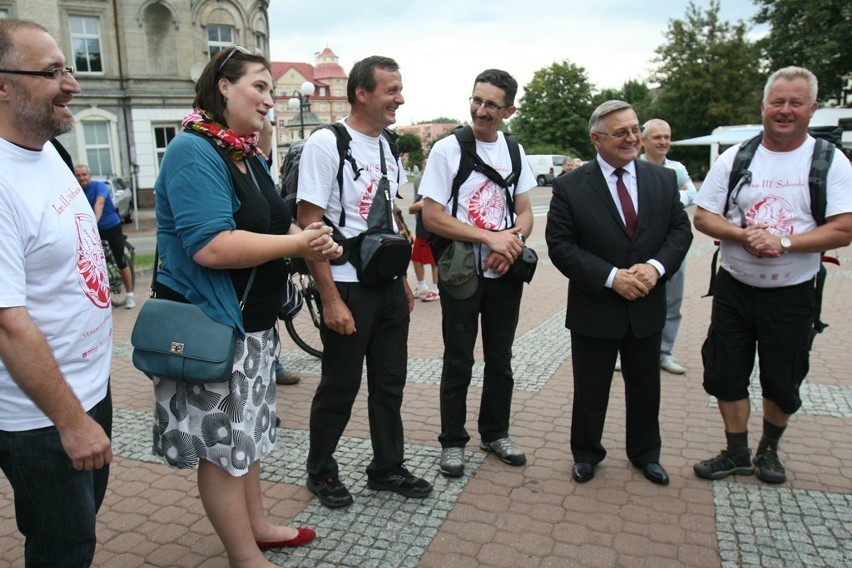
(442, 45)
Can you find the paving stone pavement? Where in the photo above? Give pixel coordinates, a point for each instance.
(502, 516)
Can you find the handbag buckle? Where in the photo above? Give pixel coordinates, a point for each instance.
(176, 348)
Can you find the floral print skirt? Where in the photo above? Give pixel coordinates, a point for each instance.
(231, 423)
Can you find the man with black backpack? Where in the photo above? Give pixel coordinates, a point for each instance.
(760, 201)
(348, 176)
(488, 206)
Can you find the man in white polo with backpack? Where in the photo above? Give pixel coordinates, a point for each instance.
(764, 296)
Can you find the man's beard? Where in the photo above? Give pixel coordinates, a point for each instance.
(37, 120)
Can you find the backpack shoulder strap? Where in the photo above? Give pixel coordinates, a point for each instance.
(345, 152)
(391, 137)
(741, 163)
(515, 154)
(818, 178)
(467, 143)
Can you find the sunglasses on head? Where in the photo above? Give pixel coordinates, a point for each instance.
(235, 49)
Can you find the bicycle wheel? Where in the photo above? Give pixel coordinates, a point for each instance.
(304, 328)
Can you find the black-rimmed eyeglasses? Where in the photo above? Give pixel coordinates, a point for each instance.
(235, 49)
(490, 106)
(55, 73)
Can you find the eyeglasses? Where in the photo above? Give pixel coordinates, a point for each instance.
(235, 49)
(623, 133)
(55, 73)
(476, 102)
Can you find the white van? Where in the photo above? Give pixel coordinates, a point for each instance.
(545, 167)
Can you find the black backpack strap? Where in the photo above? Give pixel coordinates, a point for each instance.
(739, 175)
(467, 143)
(818, 186)
(741, 163)
(391, 137)
(818, 178)
(345, 152)
(63, 153)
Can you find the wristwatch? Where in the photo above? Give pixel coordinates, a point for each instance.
(522, 236)
(786, 245)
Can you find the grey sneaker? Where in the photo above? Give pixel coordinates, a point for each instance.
(452, 462)
(507, 450)
(768, 466)
(724, 465)
(668, 363)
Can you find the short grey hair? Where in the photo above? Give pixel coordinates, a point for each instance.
(604, 109)
(791, 73)
(652, 123)
(9, 55)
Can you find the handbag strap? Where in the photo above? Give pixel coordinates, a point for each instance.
(157, 264)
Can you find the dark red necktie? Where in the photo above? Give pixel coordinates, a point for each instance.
(630, 217)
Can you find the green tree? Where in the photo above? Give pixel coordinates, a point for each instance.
(554, 111)
(709, 76)
(412, 145)
(817, 35)
(634, 92)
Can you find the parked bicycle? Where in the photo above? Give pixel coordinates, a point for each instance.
(116, 285)
(304, 328)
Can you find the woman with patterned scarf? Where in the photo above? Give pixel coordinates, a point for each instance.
(218, 217)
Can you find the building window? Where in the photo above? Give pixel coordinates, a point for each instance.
(219, 37)
(4, 13)
(97, 147)
(162, 136)
(86, 44)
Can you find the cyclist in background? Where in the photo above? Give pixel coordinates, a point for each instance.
(109, 224)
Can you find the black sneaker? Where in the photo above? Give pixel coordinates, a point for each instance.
(400, 480)
(331, 492)
(768, 466)
(723, 465)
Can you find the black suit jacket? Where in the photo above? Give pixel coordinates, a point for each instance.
(586, 237)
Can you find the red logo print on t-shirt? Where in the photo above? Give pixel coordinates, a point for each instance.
(367, 199)
(91, 267)
(486, 208)
(774, 212)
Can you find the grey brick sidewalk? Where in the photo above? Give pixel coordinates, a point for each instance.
(500, 516)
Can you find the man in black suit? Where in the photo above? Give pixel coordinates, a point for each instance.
(616, 227)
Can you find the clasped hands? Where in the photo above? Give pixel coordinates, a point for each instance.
(505, 247)
(635, 282)
(760, 242)
(318, 243)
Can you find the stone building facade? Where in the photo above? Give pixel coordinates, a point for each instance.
(136, 62)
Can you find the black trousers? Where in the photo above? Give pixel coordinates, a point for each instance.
(497, 301)
(593, 361)
(381, 320)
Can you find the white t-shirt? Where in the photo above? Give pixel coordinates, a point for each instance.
(318, 167)
(482, 203)
(52, 262)
(779, 196)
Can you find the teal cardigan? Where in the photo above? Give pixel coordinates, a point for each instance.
(195, 201)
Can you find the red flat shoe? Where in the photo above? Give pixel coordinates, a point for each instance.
(304, 537)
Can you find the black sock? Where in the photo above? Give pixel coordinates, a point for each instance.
(771, 435)
(737, 443)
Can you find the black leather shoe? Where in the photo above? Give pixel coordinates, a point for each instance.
(655, 473)
(583, 472)
(400, 480)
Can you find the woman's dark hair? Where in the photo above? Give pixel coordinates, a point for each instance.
(236, 61)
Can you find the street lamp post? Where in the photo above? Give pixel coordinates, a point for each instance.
(300, 100)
